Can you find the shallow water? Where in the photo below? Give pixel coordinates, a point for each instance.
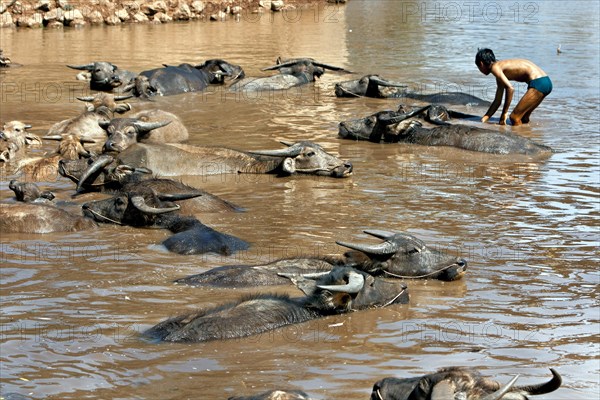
(73, 304)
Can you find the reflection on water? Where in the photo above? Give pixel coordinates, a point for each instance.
(73, 304)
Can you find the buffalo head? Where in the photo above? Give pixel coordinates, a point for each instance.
(346, 289)
(457, 382)
(142, 208)
(4, 60)
(28, 192)
(404, 256)
(98, 172)
(367, 86)
(71, 146)
(384, 125)
(123, 132)
(221, 70)
(16, 132)
(107, 103)
(308, 158)
(104, 75)
(295, 66)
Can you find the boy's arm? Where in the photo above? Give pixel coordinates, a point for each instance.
(502, 81)
(496, 103)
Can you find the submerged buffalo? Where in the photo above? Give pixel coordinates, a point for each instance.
(399, 255)
(292, 73)
(458, 383)
(40, 218)
(180, 159)
(455, 98)
(337, 292)
(394, 127)
(104, 76)
(145, 207)
(171, 80)
(375, 86)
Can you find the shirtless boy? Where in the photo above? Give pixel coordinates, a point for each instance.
(520, 70)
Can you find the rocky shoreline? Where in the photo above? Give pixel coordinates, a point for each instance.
(79, 13)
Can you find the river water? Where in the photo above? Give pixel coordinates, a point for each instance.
(73, 304)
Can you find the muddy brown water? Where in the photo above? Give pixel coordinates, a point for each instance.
(73, 304)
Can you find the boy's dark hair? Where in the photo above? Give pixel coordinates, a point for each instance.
(486, 56)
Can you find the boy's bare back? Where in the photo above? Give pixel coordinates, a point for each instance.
(518, 69)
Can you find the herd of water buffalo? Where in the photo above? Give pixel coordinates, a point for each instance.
(133, 157)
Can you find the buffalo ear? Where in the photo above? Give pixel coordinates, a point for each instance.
(122, 108)
(305, 282)
(104, 124)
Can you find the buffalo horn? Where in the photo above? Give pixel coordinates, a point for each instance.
(388, 120)
(52, 137)
(328, 66)
(498, 394)
(377, 80)
(123, 97)
(385, 235)
(101, 162)
(140, 204)
(544, 388)
(26, 126)
(178, 196)
(286, 143)
(148, 126)
(86, 98)
(385, 248)
(281, 65)
(355, 283)
(85, 140)
(87, 67)
(289, 152)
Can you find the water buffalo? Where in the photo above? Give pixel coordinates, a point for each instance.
(336, 292)
(369, 86)
(393, 127)
(45, 168)
(16, 132)
(293, 73)
(28, 192)
(457, 98)
(99, 108)
(123, 178)
(149, 126)
(40, 218)
(458, 383)
(171, 80)
(399, 255)
(145, 207)
(105, 76)
(180, 159)
(275, 395)
(5, 62)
